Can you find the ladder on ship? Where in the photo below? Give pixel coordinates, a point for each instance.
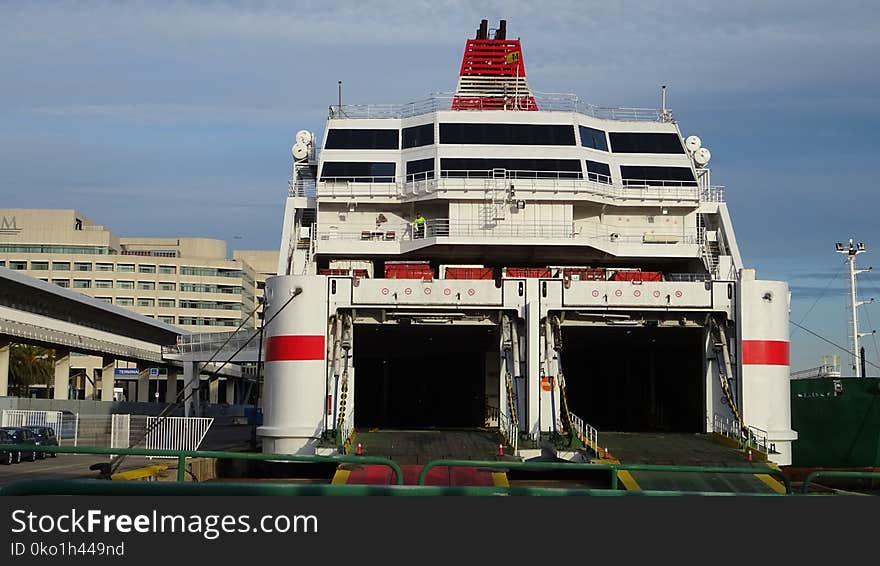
(709, 245)
(306, 236)
(497, 190)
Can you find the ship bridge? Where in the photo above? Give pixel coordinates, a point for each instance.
(498, 257)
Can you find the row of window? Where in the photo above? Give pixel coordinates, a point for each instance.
(126, 268)
(170, 303)
(53, 249)
(505, 134)
(421, 169)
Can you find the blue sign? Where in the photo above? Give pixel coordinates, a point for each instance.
(154, 371)
(126, 371)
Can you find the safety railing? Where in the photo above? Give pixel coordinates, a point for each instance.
(509, 430)
(546, 101)
(613, 469)
(840, 474)
(183, 455)
(588, 435)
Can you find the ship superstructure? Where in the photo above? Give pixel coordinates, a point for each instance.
(501, 258)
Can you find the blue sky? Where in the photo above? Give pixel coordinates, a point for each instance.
(176, 119)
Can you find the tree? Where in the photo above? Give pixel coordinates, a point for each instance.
(30, 365)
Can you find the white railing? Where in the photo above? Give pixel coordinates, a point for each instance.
(825, 370)
(176, 433)
(509, 430)
(726, 426)
(753, 437)
(546, 101)
(588, 435)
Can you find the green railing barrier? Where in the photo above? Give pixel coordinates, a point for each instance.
(182, 455)
(96, 487)
(612, 468)
(837, 474)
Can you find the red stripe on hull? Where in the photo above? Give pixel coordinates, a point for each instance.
(765, 352)
(294, 348)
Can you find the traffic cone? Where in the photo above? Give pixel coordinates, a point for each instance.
(750, 454)
(606, 451)
(501, 450)
(360, 450)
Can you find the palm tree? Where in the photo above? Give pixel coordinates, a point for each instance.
(30, 365)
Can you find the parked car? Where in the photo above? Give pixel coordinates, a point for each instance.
(25, 438)
(44, 436)
(7, 456)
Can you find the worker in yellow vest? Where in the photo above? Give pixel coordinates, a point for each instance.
(419, 225)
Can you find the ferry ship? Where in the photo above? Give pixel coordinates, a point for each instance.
(563, 275)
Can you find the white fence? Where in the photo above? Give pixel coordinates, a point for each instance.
(176, 433)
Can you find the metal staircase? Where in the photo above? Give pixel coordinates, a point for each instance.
(306, 237)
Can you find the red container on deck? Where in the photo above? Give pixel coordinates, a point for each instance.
(637, 276)
(468, 273)
(527, 272)
(408, 270)
(584, 273)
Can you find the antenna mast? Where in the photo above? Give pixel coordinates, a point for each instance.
(851, 252)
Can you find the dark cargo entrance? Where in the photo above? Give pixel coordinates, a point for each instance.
(421, 376)
(635, 379)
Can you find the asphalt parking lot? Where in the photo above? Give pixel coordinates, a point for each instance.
(66, 466)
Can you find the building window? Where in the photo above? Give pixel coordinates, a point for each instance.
(417, 136)
(125, 284)
(420, 169)
(125, 301)
(167, 303)
(2, 263)
(125, 267)
(40, 265)
(166, 319)
(41, 249)
(362, 139)
(146, 302)
(506, 134)
(598, 171)
(146, 285)
(18, 265)
(511, 168)
(61, 282)
(165, 286)
(103, 267)
(82, 266)
(360, 171)
(642, 175)
(142, 268)
(593, 138)
(105, 299)
(82, 283)
(103, 284)
(61, 266)
(168, 269)
(654, 142)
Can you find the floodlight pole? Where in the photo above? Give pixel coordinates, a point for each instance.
(851, 252)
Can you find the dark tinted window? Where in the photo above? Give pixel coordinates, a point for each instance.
(358, 171)
(663, 176)
(515, 168)
(597, 171)
(362, 139)
(626, 142)
(591, 137)
(420, 169)
(507, 134)
(418, 135)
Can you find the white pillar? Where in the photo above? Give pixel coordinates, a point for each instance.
(171, 385)
(533, 358)
(230, 391)
(89, 382)
(62, 374)
(4, 368)
(143, 387)
(108, 378)
(214, 391)
(191, 407)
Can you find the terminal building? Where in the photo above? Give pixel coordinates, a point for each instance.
(190, 283)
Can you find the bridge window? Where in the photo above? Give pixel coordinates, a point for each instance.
(598, 171)
(103, 284)
(168, 269)
(125, 267)
(40, 265)
(506, 134)
(362, 139)
(166, 286)
(364, 172)
(146, 285)
(420, 169)
(18, 265)
(82, 283)
(642, 175)
(146, 302)
(61, 266)
(511, 168)
(143, 268)
(61, 282)
(82, 266)
(591, 137)
(125, 284)
(167, 303)
(418, 136)
(103, 267)
(125, 301)
(655, 142)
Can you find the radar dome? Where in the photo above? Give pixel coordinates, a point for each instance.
(692, 143)
(702, 157)
(303, 137)
(299, 151)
